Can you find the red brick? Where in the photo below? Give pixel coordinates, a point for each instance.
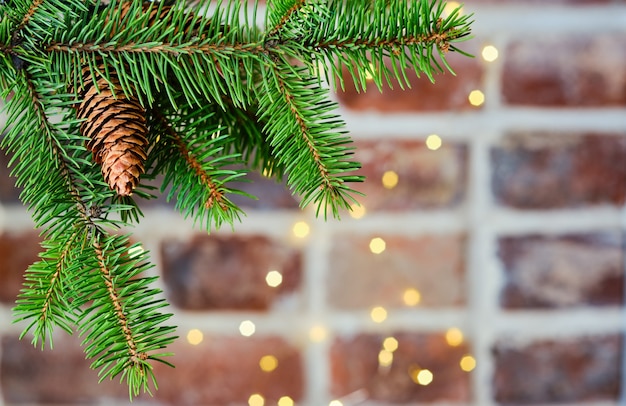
(572, 370)
(432, 264)
(540, 170)
(227, 272)
(268, 194)
(225, 371)
(355, 366)
(219, 371)
(449, 92)
(426, 179)
(557, 271)
(58, 376)
(563, 71)
(9, 194)
(17, 252)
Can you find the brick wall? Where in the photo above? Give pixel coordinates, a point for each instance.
(488, 270)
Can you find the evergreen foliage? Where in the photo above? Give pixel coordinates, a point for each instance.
(222, 95)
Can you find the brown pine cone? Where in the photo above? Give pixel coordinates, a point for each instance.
(117, 130)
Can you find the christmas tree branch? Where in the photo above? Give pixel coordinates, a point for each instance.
(105, 97)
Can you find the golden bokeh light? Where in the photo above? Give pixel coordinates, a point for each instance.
(268, 363)
(285, 401)
(377, 245)
(476, 98)
(411, 297)
(247, 328)
(433, 142)
(357, 211)
(318, 333)
(490, 53)
(301, 229)
(335, 403)
(468, 363)
(274, 278)
(390, 344)
(256, 400)
(454, 337)
(424, 377)
(194, 336)
(390, 179)
(385, 358)
(451, 6)
(378, 314)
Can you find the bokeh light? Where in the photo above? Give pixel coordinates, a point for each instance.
(490, 53)
(378, 314)
(390, 179)
(385, 358)
(256, 400)
(377, 245)
(468, 363)
(454, 337)
(274, 278)
(318, 333)
(194, 336)
(390, 344)
(247, 328)
(301, 229)
(476, 98)
(268, 363)
(411, 297)
(285, 401)
(433, 142)
(357, 211)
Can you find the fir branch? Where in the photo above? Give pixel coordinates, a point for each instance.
(216, 196)
(198, 171)
(307, 138)
(282, 10)
(27, 16)
(44, 298)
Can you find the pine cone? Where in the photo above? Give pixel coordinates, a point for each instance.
(116, 127)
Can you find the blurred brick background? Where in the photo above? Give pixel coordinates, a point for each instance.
(488, 270)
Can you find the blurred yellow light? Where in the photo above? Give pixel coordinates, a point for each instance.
(454, 337)
(385, 358)
(335, 403)
(357, 211)
(377, 245)
(424, 377)
(390, 344)
(274, 278)
(301, 229)
(450, 7)
(285, 401)
(318, 333)
(411, 297)
(433, 142)
(256, 400)
(378, 314)
(268, 363)
(195, 336)
(247, 328)
(390, 179)
(476, 98)
(468, 363)
(490, 53)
